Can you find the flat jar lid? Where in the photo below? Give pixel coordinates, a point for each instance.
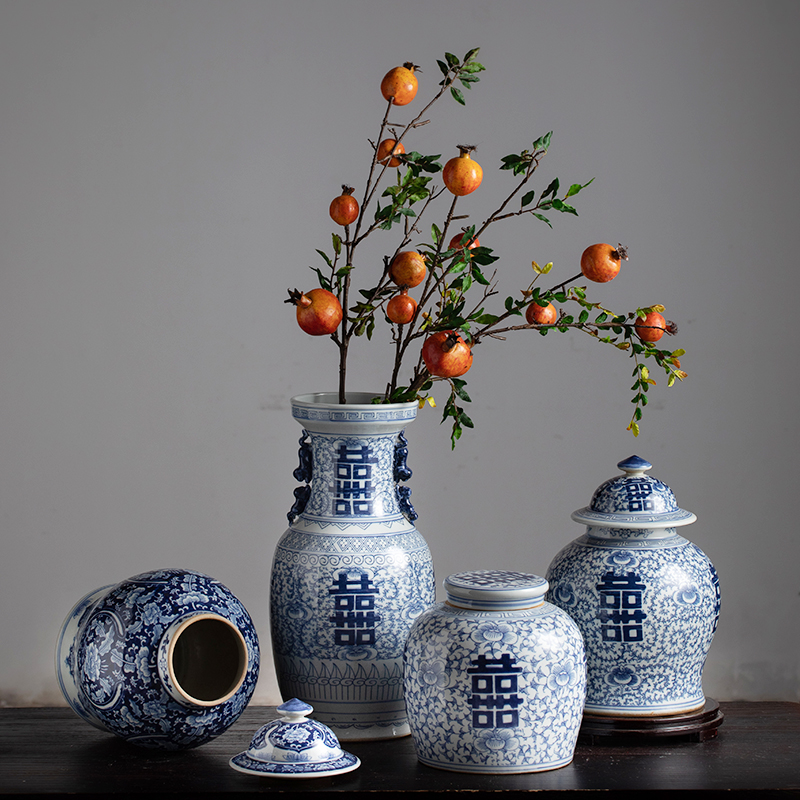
(495, 590)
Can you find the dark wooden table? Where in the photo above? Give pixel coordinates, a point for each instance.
(50, 751)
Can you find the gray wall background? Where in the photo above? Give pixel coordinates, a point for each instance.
(165, 173)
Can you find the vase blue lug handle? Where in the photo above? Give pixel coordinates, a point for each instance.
(305, 469)
(304, 473)
(403, 473)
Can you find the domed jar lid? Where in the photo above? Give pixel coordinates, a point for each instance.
(633, 500)
(294, 747)
(495, 590)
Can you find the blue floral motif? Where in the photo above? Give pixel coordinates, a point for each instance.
(432, 674)
(622, 558)
(687, 596)
(357, 653)
(497, 740)
(564, 675)
(622, 676)
(494, 634)
(565, 595)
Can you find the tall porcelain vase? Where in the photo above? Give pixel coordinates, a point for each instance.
(351, 573)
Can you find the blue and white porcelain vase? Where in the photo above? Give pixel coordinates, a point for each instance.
(646, 600)
(351, 573)
(167, 659)
(495, 677)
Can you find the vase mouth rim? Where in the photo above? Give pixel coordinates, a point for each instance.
(360, 401)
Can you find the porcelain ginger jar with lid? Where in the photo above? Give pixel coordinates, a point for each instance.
(495, 677)
(166, 659)
(646, 599)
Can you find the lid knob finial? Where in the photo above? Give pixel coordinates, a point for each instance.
(633, 465)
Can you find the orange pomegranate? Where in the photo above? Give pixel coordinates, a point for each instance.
(319, 311)
(601, 262)
(446, 354)
(651, 328)
(387, 148)
(400, 84)
(408, 268)
(344, 208)
(462, 175)
(401, 308)
(541, 315)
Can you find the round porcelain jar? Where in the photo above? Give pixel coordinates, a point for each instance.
(167, 659)
(645, 599)
(495, 677)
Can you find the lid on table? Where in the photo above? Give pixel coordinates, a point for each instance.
(633, 500)
(294, 747)
(495, 590)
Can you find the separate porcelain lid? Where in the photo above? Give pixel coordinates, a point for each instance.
(294, 747)
(633, 500)
(495, 590)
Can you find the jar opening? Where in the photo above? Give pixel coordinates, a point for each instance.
(207, 660)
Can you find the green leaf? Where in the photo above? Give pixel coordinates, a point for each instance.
(460, 391)
(452, 60)
(466, 421)
(443, 67)
(527, 198)
(479, 276)
(583, 317)
(457, 94)
(482, 255)
(543, 142)
(436, 234)
(337, 243)
(471, 54)
(323, 281)
(560, 205)
(575, 188)
(510, 161)
(325, 256)
(486, 319)
(543, 218)
(552, 189)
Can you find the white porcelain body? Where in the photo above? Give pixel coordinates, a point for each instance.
(646, 599)
(351, 573)
(495, 691)
(167, 659)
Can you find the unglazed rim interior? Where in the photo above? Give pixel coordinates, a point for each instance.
(238, 675)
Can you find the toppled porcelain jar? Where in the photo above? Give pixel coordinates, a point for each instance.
(645, 599)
